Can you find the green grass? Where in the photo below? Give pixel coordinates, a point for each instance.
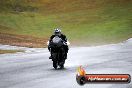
(100, 23)
(26, 23)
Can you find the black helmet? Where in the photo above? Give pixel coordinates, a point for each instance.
(57, 31)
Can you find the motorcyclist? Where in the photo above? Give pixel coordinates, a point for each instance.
(57, 32)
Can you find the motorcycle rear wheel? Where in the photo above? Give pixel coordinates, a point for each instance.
(62, 66)
(55, 64)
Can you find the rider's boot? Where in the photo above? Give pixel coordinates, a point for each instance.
(50, 53)
(66, 56)
(50, 57)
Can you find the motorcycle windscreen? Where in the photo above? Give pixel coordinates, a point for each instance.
(56, 39)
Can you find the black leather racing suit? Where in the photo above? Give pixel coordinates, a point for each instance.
(63, 37)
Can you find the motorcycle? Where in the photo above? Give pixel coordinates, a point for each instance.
(57, 52)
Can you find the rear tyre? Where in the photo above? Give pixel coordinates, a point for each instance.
(55, 64)
(62, 64)
(61, 58)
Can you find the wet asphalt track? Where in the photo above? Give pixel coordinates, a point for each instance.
(33, 69)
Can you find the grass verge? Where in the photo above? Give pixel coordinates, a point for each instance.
(85, 22)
